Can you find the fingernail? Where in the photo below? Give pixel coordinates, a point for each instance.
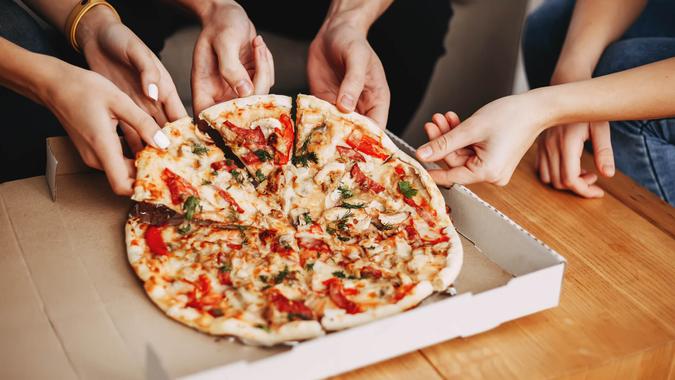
(153, 91)
(244, 89)
(161, 140)
(608, 169)
(347, 101)
(424, 152)
(258, 41)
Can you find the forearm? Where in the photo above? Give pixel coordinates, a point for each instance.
(25, 72)
(645, 92)
(359, 13)
(594, 25)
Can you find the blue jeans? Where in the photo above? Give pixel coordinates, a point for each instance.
(644, 149)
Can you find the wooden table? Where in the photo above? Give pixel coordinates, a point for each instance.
(616, 317)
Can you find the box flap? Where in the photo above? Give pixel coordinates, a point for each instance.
(62, 158)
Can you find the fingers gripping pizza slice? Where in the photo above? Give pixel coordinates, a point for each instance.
(330, 228)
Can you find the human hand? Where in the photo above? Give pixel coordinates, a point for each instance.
(559, 149)
(342, 68)
(89, 107)
(485, 147)
(229, 60)
(115, 52)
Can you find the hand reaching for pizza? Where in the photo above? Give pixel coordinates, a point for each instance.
(229, 60)
(89, 107)
(115, 52)
(343, 68)
(485, 147)
(559, 152)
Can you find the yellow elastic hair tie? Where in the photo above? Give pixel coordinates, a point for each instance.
(79, 10)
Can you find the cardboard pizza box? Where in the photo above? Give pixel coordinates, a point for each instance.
(73, 308)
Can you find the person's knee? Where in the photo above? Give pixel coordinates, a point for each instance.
(627, 54)
(543, 36)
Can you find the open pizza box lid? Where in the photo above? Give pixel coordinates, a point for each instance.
(73, 308)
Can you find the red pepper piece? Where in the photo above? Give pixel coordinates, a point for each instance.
(179, 188)
(154, 240)
(284, 305)
(366, 145)
(370, 272)
(248, 137)
(365, 183)
(224, 164)
(350, 154)
(313, 244)
(228, 198)
(287, 136)
(337, 295)
(403, 291)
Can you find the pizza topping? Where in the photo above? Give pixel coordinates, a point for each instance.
(366, 145)
(313, 244)
(155, 242)
(366, 184)
(350, 154)
(370, 272)
(199, 149)
(337, 294)
(263, 155)
(190, 207)
(295, 309)
(391, 219)
(281, 276)
(403, 291)
(405, 188)
(399, 171)
(228, 198)
(287, 137)
(179, 188)
(224, 164)
(249, 138)
(224, 275)
(345, 192)
(302, 157)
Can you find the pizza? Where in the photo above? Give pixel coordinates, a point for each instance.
(296, 230)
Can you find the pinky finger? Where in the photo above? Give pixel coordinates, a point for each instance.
(544, 175)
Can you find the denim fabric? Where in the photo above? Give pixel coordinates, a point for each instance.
(645, 149)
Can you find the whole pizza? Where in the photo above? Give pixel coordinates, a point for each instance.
(290, 230)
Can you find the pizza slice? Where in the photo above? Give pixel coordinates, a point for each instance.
(258, 129)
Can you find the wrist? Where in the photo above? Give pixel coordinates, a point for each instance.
(547, 111)
(205, 9)
(92, 23)
(358, 15)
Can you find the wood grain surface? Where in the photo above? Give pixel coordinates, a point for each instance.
(616, 318)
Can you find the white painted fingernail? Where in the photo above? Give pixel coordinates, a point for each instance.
(424, 152)
(161, 140)
(153, 92)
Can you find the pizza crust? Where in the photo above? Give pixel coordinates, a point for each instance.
(338, 319)
(212, 113)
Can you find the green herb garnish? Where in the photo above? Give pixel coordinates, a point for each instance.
(184, 229)
(225, 268)
(304, 159)
(263, 278)
(259, 176)
(406, 189)
(339, 274)
(309, 266)
(352, 206)
(206, 182)
(263, 327)
(344, 238)
(199, 149)
(279, 278)
(345, 192)
(237, 176)
(331, 230)
(263, 155)
(307, 218)
(190, 206)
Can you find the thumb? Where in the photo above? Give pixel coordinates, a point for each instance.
(356, 64)
(447, 143)
(231, 68)
(144, 61)
(602, 148)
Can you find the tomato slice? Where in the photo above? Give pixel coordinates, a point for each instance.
(367, 145)
(399, 171)
(228, 198)
(365, 183)
(283, 304)
(249, 137)
(224, 278)
(179, 188)
(337, 295)
(410, 231)
(154, 240)
(350, 154)
(250, 158)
